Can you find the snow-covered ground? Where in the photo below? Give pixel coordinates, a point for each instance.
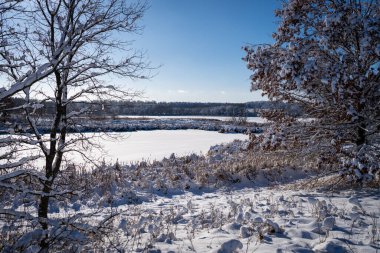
(255, 220)
(217, 203)
(168, 207)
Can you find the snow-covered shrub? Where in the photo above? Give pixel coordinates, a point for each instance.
(325, 58)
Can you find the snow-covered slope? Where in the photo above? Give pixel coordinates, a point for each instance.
(177, 211)
(215, 203)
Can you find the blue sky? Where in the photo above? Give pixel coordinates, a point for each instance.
(198, 45)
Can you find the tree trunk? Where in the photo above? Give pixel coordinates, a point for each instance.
(361, 135)
(43, 209)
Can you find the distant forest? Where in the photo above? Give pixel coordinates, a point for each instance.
(152, 108)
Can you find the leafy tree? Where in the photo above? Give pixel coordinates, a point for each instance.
(57, 51)
(326, 57)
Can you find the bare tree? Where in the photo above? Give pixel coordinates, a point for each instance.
(62, 51)
(8, 12)
(325, 57)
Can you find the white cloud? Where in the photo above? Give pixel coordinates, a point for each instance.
(223, 92)
(182, 91)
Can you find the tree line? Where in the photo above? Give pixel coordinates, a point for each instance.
(153, 108)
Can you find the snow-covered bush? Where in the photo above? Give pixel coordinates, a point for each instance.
(325, 58)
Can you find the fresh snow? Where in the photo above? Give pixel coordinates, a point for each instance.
(256, 215)
(252, 220)
(251, 216)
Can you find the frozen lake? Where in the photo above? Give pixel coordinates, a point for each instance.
(129, 147)
(157, 144)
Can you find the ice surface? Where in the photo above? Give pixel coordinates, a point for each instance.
(155, 145)
(130, 147)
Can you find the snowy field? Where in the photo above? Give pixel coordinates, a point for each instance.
(269, 213)
(209, 203)
(254, 220)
